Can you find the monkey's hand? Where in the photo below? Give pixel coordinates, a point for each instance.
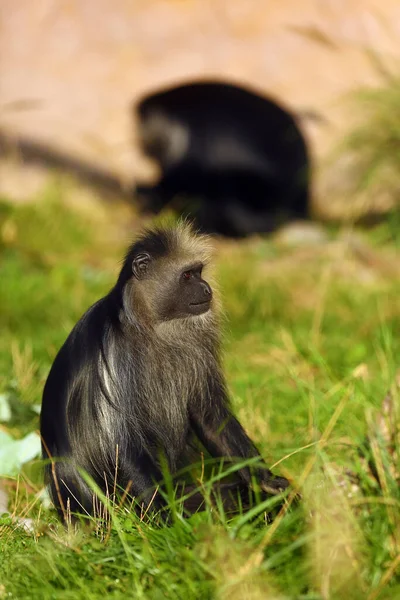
(274, 485)
(148, 199)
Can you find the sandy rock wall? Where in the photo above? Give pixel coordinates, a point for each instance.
(70, 69)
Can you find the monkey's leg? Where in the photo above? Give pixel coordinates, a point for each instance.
(150, 198)
(233, 496)
(301, 204)
(141, 478)
(223, 436)
(69, 492)
(156, 197)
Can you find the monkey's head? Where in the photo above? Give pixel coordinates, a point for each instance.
(163, 275)
(161, 135)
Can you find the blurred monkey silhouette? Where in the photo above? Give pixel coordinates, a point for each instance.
(235, 161)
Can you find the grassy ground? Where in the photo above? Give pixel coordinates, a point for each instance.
(361, 175)
(311, 342)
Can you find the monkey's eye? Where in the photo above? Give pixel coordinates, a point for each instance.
(187, 275)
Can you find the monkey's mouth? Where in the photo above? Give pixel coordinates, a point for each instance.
(200, 303)
(198, 308)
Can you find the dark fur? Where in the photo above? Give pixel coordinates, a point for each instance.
(124, 379)
(242, 157)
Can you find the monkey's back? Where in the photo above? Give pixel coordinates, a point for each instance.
(231, 126)
(65, 379)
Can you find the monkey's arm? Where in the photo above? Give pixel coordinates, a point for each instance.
(223, 436)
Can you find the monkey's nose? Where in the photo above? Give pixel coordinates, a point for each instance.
(207, 290)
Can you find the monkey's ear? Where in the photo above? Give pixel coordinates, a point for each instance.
(140, 264)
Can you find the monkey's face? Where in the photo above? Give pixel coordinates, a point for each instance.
(161, 137)
(152, 137)
(172, 293)
(188, 294)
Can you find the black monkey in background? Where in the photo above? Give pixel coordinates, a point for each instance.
(141, 372)
(237, 160)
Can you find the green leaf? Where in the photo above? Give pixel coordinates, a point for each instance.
(14, 453)
(5, 409)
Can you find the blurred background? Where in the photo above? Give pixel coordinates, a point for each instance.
(311, 338)
(70, 72)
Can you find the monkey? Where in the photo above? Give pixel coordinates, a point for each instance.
(234, 161)
(139, 378)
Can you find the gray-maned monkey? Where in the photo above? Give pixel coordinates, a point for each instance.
(139, 377)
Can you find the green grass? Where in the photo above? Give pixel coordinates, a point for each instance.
(369, 156)
(375, 141)
(311, 340)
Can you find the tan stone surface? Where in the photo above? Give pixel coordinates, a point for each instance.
(70, 69)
